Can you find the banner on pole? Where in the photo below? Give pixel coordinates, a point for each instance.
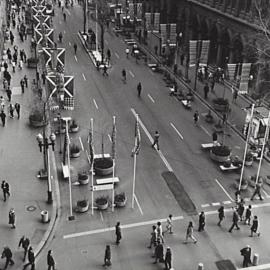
(113, 140)
(192, 52)
(139, 11)
(163, 33)
(131, 11)
(147, 21)
(243, 88)
(231, 71)
(136, 149)
(156, 21)
(172, 36)
(204, 52)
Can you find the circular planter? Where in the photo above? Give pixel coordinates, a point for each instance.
(220, 104)
(74, 129)
(120, 201)
(248, 163)
(103, 166)
(220, 154)
(244, 185)
(75, 154)
(102, 203)
(83, 179)
(82, 206)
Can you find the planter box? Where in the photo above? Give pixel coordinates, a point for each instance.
(120, 203)
(218, 158)
(248, 163)
(75, 155)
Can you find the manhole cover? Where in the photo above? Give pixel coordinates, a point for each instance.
(31, 208)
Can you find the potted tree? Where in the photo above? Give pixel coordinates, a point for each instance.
(74, 126)
(75, 151)
(209, 117)
(102, 203)
(36, 118)
(83, 178)
(190, 96)
(82, 206)
(221, 104)
(120, 199)
(249, 159)
(220, 153)
(244, 184)
(103, 166)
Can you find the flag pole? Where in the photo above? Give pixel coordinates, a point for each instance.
(134, 171)
(113, 165)
(96, 28)
(92, 172)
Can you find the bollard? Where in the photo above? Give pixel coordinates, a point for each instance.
(200, 266)
(255, 259)
(44, 216)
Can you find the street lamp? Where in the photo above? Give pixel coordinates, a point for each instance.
(44, 143)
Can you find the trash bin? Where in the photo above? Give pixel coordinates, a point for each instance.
(255, 259)
(44, 216)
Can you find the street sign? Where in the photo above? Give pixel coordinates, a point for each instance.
(102, 187)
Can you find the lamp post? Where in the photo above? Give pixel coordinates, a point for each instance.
(198, 57)
(178, 46)
(44, 143)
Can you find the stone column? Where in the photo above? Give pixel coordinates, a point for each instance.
(219, 52)
(231, 55)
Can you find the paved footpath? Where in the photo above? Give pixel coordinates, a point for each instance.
(20, 161)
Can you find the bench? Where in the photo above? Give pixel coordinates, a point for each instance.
(107, 180)
(231, 168)
(209, 145)
(65, 170)
(100, 156)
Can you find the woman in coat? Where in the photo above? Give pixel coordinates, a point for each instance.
(11, 218)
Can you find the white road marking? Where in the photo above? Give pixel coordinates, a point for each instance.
(80, 139)
(177, 131)
(101, 216)
(106, 42)
(136, 200)
(237, 147)
(151, 98)
(125, 226)
(151, 71)
(95, 103)
(228, 195)
(265, 193)
(205, 205)
(226, 202)
(69, 43)
(110, 137)
(131, 74)
(76, 58)
(257, 267)
(83, 76)
(215, 203)
(116, 54)
(205, 130)
(151, 140)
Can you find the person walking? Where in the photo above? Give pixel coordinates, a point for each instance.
(169, 225)
(153, 239)
(64, 16)
(221, 215)
(196, 117)
(241, 209)
(11, 218)
(31, 259)
(13, 66)
(254, 227)
(246, 253)
(127, 52)
(25, 81)
(22, 85)
(7, 253)
(189, 233)
(5, 189)
(3, 118)
(201, 221)
(50, 260)
(60, 36)
(206, 90)
(43, 77)
(159, 253)
(75, 48)
(9, 93)
(235, 95)
(107, 256)
(139, 89)
(168, 259)
(160, 232)
(17, 107)
(24, 243)
(235, 221)
(11, 110)
(105, 70)
(156, 140)
(118, 233)
(124, 75)
(257, 191)
(248, 215)
(109, 55)
(20, 64)
(215, 138)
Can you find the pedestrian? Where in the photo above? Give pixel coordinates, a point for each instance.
(246, 253)
(118, 233)
(212, 84)
(9, 93)
(168, 259)
(20, 64)
(31, 259)
(25, 81)
(201, 221)
(257, 191)
(254, 227)
(60, 36)
(5, 188)
(189, 233)
(22, 85)
(235, 220)
(196, 117)
(127, 52)
(124, 75)
(241, 209)
(5, 65)
(159, 253)
(5, 84)
(215, 138)
(224, 118)
(15, 58)
(3, 118)
(17, 107)
(169, 225)
(64, 16)
(7, 253)
(9, 57)
(43, 76)
(160, 232)
(156, 140)
(75, 48)
(107, 256)
(105, 70)
(11, 110)
(109, 55)
(24, 243)
(139, 89)
(13, 66)
(237, 196)
(206, 90)
(235, 95)
(248, 215)
(153, 239)
(11, 39)
(50, 260)
(11, 218)
(221, 215)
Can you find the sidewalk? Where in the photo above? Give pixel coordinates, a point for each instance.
(20, 161)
